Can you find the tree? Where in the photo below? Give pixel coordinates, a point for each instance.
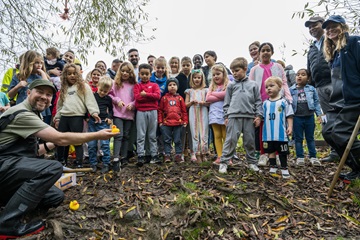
(83, 26)
(349, 9)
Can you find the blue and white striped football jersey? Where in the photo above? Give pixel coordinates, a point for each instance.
(275, 114)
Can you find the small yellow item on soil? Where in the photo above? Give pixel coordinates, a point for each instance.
(115, 129)
(74, 205)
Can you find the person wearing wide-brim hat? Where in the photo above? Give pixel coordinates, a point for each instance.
(342, 51)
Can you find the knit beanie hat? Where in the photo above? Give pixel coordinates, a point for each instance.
(172, 80)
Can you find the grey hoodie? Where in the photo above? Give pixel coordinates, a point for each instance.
(242, 99)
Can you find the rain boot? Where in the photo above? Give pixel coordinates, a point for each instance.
(10, 218)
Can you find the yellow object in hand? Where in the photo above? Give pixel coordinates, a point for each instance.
(115, 129)
(74, 205)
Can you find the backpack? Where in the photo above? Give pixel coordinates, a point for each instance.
(4, 121)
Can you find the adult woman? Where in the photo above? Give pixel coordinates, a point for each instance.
(343, 54)
(260, 73)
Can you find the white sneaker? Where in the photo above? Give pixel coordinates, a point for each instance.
(300, 162)
(273, 170)
(285, 173)
(223, 168)
(254, 167)
(278, 163)
(315, 162)
(263, 160)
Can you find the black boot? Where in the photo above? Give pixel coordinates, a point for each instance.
(10, 218)
(15, 229)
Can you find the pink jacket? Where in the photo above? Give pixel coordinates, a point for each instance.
(125, 94)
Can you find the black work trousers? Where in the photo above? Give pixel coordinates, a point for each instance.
(32, 177)
(338, 129)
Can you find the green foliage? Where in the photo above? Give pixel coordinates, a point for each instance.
(36, 25)
(192, 234)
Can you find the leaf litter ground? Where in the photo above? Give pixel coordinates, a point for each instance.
(187, 201)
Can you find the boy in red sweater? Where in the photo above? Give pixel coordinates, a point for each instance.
(172, 117)
(147, 95)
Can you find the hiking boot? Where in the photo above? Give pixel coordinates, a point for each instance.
(315, 161)
(300, 162)
(105, 169)
(285, 173)
(116, 166)
(263, 160)
(140, 161)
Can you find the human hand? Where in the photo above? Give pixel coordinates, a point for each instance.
(257, 121)
(129, 107)
(184, 125)
(226, 121)
(121, 104)
(55, 71)
(108, 121)
(105, 134)
(96, 117)
(2, 109)
(56, 123)
(289, 130)
(22, 84)
(143, 93)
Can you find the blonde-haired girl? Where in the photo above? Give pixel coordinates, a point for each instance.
(198, 115)
(215, 97)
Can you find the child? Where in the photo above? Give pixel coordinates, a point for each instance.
(53, 61)
(215, 97)
(122, 95)
(305, 104)
(32, 67)
(184, 77)
(147, 96)
(4, 103)
(160, 75)
(174, 64)
(172, 117)
(69, 56)
(95, 75)
(242, 113)
(198, 115)
(278, 124)
(75, 100)
(104, 103)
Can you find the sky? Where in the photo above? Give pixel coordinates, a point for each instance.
(188, 27)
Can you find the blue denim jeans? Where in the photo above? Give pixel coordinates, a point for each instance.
(171, 134)
(304, 125)
(104, 144)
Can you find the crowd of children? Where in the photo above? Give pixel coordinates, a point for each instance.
(175, 105)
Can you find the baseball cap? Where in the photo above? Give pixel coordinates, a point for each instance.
(334, 18)
(314, 20)
(42, 82)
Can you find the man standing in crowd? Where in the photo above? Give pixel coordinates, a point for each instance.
(320, 70)
(134, 58)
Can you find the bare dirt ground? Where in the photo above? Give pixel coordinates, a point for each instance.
(187, 201)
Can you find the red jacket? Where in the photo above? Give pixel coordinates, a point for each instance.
(172, 110)
(150, 101)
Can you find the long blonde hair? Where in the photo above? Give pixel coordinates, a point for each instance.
(219, 67)
(330, 47)
(27, 64)
(195, 72)
(118, 77)
(162, 60)
(65, 84)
